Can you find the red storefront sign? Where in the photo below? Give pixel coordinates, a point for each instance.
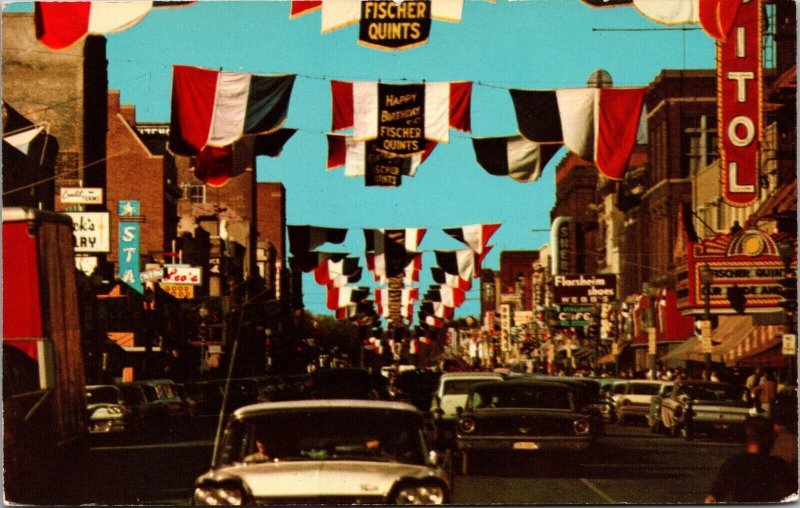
(739, 90)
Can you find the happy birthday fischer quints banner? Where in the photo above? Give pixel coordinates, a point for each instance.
(383, 24)
(402, 119)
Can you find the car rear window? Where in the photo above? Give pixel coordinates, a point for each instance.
(460, 386)
(531, 397)
(644, 389)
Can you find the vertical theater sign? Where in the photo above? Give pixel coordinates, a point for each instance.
(746, 266)
(739, 89)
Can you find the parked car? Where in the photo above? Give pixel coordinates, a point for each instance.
(168, 414)
(452, 392)
(320, 452)
(522, 415)
(705, 406)
(654, 411)
(107, 414)
(635, 402)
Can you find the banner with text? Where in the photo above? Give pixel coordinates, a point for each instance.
(391, 25)
(129, 244)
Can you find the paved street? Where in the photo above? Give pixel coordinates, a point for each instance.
(628, 465)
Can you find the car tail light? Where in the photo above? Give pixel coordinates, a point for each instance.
(466, 425)
(581, 427)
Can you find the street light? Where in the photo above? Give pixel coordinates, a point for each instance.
(707, 278)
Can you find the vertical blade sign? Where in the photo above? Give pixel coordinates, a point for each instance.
(739, 79)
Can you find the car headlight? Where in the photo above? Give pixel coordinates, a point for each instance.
(420, 494)
(225, 495)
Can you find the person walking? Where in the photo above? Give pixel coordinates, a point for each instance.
(753, 476)
(766, 392)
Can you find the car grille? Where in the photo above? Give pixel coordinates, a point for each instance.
(524, 426)
(320, 500)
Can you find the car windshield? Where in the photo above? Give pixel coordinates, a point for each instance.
(102, 394)
(326, 434)
(718, 392)
(505, 395)
(459, 386)
(644, 389)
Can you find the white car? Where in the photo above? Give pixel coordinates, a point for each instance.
(453, 389)
(324, 452)
(635, 401)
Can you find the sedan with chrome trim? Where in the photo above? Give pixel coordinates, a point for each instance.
(524, 415)
(705, 406)
(324, 452)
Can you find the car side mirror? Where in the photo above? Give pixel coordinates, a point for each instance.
(434, 459)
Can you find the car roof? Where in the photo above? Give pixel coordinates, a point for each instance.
(266, 407)
(648, 382)
(471, 375)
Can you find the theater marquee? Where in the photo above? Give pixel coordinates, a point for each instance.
(746, 266)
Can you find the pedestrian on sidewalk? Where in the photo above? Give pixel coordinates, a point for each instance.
(766, 392)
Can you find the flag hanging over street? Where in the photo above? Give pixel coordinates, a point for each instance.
(449, 296)
(330, 270)
(597, 124)
(475, 236)
(341, 297)
(215, 108)
(308, 261)
(448, 279)
(418, 112)
(305, 238)
(215, 165)
(463, 262)
(714, 16)
(513, 156)
(21, 139)
(62, 24)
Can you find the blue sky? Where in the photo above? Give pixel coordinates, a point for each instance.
(537, 44)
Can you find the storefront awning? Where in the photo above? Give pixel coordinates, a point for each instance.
(757, 341)
(730, 332)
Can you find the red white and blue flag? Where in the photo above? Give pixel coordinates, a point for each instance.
(597, 124)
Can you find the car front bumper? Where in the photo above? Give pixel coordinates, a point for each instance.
(523, 443)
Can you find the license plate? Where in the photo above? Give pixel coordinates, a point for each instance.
(525, 445)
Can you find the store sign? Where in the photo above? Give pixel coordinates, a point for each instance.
(584, 289)
(789, 346)
(129, 244)
(739, 85)
(559, 240)
(183, 274)
(81, 196)
(574, 315)
(152, 275)
(179, 291)
(92, 231)
(391, 25)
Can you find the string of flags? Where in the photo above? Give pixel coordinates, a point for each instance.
(395, 127)
(383, 24)
(395, 261)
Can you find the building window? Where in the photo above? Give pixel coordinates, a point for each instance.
(701, 143)
(197, 193)
(768, 39)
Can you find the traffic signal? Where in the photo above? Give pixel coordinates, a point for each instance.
(789, 293)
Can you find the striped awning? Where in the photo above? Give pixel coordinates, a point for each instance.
(730, 332)
(758, 340)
